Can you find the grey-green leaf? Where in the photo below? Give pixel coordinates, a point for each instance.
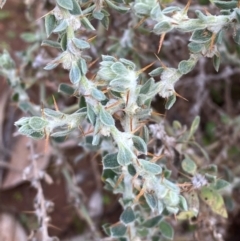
(50, 23)
(166, 230)
(216, 62)
(61, 26)
(75, 73)
(170, 102)
(151, 222)
(201, 36)
(81, 44)
(118, 230)
(66, 89)
(150, 167)
(106, 117)
(66, 4)
(194, 126)
(124, 156)
(37, 123)
(162, 27)
(185, 66)
(110, 161)
(127, 216)
(220, 184)
(189, 166)
(139, 144)
(97, 94)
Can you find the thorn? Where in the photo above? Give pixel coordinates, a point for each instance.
(112, 105)
(179, 96)
(119, 181)
(163, 65)
(145, 68)
(54, 227)
(91, 39)
(46, 141)
(161, 42)
(131, 124)
(139, 127)
(206, 11)
(127, 97)
(91, 64)
(55, 103)
(157, 114)
(139, 195)
(212, 41)
(80, 128)
(43, 15)
(140, 22)
(187, 7)
(184, 175)
(156, 158)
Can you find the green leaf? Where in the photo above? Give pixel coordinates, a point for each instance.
(216, 62)
(185, 215)
(139, 144)
(66, 89)
(170, 102)
(166, 230)
(183, 203)
(106, 117)
(237, 11)
(110, 161)
(185, 66)
(209, 169)
(152, 222)
(150, 167)
(61, 26)
(189, 166)
(75, 74)
(127, 216)
(37, 123)
(29, 37)
(192, 201)
(66, 4)
(201, 36)
(124, 156)
(81, 44)
(118, 230)
(194, 127)
(50, 23)
(214, 200)
(162, 27)
(220, 184)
